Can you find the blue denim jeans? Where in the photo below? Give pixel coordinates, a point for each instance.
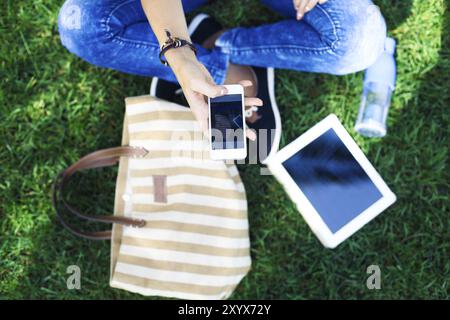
(338, 37)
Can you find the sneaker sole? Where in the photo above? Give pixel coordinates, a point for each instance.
(196, 22)
(153, 85)
(276, 112)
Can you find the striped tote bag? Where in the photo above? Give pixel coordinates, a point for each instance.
(180, 226)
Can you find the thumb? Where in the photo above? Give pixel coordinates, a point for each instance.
(208, 89)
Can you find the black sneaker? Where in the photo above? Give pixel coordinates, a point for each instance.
(165, 90)
(200, 28)
(266, 121)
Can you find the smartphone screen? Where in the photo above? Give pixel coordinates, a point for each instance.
(227, 122)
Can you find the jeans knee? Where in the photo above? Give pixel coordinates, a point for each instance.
(363, 42)
(79, 25)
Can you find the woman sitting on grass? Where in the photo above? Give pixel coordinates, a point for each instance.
(334, 36)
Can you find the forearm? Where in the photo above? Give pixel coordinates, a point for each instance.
(168, 15)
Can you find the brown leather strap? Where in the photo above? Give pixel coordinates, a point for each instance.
(97, 159)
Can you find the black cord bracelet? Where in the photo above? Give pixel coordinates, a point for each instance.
(171, 43)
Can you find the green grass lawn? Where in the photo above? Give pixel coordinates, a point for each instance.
(55, 108)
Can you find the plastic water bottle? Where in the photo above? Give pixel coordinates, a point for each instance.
(379, 83)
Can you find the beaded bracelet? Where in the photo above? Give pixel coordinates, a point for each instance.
(171, 43)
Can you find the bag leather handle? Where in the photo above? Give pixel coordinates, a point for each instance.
(97, 159)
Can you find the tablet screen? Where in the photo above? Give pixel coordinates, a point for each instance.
(333, 181)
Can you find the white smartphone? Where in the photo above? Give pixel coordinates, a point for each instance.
(227, 125)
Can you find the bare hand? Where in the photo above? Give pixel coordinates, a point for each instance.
(303, 6)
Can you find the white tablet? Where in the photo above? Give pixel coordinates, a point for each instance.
(334, 186)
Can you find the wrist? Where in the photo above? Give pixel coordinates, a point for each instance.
(177, 57)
